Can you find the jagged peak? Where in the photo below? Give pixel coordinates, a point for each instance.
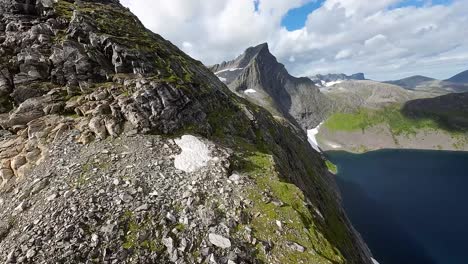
(257, 49)
(244, 59)
(251, 53)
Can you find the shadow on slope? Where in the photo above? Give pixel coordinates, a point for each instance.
(449, 111)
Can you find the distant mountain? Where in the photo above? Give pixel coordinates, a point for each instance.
(427, 84)
(450, 110)
(257, 76)
(351, 95)
(412, 82)
(331, 79)
(459, 78)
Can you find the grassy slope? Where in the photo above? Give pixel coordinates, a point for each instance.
(391, 115)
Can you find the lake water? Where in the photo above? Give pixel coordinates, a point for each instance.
(411, 207)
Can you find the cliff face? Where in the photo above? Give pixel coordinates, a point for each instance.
(116, 147)
(259, 77)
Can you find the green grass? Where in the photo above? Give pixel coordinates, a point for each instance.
(331, 167)
(366, 118)
(299, 225)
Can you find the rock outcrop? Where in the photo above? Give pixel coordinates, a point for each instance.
(92, 106)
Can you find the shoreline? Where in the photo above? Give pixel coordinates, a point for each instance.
(394, 149)
(380, 137)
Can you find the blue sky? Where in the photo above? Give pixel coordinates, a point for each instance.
(296, 18)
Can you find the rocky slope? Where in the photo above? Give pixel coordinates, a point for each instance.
(259, 77)
(116, 147)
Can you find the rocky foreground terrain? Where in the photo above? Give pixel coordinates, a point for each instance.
(116, 147)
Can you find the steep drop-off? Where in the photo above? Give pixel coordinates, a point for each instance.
(116, 147)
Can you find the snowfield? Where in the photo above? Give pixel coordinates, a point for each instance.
(311, 133)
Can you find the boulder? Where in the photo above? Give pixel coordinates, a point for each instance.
(219, 241)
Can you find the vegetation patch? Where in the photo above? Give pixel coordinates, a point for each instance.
(364, 118)
(331, 167)
(286, 206)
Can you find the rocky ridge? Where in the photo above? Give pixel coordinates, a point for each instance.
(95, 113)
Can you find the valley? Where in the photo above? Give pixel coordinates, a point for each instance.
(350, 112)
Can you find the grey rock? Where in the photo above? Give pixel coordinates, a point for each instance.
(171, 217)
(143, 207)
(295, 246)
(169, 243)
(4, 230)
(30, 253)
(219, 241)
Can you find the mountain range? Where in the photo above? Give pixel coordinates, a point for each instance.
(457, 83)
(343, 102)
(331, 79)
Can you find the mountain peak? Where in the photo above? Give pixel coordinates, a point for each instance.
(253, 52)
(258, 76)
(259, 48)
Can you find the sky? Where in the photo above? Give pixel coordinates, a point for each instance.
(385, 39)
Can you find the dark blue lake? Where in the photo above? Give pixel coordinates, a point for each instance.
(411, 207)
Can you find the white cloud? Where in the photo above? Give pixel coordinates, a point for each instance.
(348, 36)
(343, 54)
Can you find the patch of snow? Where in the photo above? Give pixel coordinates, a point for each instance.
(335, 146)
(328, 84)
(374, 261)
(230, 69)
(222, 79)
(195, 154)
(311, 133)
(249, 91)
